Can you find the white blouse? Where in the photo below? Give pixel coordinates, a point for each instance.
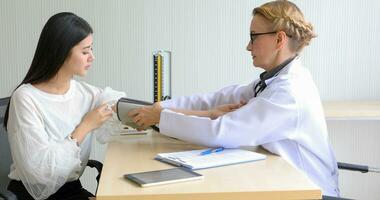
(39, 123)
(286, 118)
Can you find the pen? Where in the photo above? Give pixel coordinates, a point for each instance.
(214, 150)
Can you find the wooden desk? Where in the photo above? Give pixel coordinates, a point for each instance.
(352, 110)
(272, 178)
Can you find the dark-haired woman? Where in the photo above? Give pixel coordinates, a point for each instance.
(51, 116)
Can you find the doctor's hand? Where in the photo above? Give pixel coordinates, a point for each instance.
(146, 116)
(223, 109)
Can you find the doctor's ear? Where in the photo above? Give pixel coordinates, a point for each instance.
(281, 38)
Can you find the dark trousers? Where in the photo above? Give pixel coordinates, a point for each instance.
(69, 191)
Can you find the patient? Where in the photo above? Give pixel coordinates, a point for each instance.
(51, 116)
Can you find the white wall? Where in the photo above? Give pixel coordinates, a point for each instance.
(208, 39)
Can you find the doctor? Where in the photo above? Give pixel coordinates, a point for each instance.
(281, 110)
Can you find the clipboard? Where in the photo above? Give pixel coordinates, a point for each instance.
(194, 159)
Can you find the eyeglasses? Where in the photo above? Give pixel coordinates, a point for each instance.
(254, 35)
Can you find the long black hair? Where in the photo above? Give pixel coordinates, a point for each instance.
(59, 35)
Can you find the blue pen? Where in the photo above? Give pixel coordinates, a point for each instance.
(208, 151)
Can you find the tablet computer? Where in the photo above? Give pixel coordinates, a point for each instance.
(166, 176)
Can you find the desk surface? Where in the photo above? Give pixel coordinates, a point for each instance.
(352, 110)
(272, 178)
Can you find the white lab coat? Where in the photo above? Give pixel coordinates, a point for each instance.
(287, 119)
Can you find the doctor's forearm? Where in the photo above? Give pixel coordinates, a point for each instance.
(199, 113)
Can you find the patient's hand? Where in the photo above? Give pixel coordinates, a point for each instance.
(223, 109)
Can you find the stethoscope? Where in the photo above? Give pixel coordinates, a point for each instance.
(261, 85)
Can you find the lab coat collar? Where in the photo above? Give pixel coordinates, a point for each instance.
(286, 69)
(274, 72)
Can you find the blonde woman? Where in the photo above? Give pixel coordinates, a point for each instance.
(281, 110)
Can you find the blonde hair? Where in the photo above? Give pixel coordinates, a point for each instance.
(286, 16)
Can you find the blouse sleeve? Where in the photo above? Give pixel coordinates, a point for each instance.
(113, 125)
(43, 163)
(227, 95)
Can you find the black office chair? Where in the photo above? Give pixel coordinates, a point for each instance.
(352, 167)
(6, 159)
